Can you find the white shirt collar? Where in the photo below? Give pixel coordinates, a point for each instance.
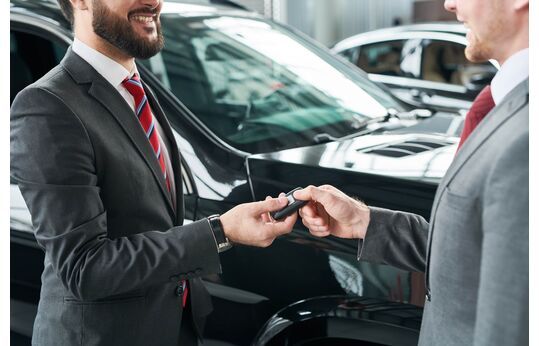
(112, 71)
(514, 71)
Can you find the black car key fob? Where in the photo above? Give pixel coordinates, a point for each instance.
(292, 207)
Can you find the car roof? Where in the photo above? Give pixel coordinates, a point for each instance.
(436, 27)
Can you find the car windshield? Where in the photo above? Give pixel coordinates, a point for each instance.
(259, 86)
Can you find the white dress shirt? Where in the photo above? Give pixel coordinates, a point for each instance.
(514, 71)
(115, 73)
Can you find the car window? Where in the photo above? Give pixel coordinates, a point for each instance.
(381, 58)
(445, 62)
(258, 87)
(27, 67)
(351, 54)
(391, 58)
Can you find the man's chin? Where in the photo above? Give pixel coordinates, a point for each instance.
(148, 35)
(476, 54)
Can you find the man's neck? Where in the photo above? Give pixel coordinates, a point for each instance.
(516, 42)
(105, 48)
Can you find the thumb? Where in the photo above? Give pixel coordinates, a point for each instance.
(271, 204)
(314, 193)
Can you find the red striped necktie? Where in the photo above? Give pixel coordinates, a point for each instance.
(481, 106)
(147, 121)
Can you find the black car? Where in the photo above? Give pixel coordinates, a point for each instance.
(258, 109)
(422, 64)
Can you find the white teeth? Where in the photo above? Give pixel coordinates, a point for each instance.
(143, 19)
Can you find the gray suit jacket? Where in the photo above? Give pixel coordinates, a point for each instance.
(475, 250)
(115, 249)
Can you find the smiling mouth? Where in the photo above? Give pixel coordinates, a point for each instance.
(144, 18)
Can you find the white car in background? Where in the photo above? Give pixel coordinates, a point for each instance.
(422, 64)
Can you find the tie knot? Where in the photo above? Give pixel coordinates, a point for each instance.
(134, 86)
(482, 104)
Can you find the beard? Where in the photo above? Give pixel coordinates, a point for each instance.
(477, 51)
(485, 33)
(118, 32)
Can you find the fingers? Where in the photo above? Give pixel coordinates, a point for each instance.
(317, 230)
(266, 216)
(308, 210)
(285, 226)
(268, 205)
(318, 233)
(324, 194)
(317, 225)
(272, 230)
(305, 194)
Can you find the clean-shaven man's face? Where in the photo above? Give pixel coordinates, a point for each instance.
(487, 22)
(133, 26)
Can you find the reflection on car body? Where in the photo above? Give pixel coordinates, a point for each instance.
(257, 110)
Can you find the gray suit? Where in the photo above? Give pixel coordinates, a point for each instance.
(475, 250)
(115, 249)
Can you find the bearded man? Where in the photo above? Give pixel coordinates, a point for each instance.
(96, 161)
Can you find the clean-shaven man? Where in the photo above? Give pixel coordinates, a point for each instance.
(474, 251)
(98, 166)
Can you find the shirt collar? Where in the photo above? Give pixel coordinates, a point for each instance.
(514, 71)
(112, 71)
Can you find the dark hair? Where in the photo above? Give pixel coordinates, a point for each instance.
(67, 10)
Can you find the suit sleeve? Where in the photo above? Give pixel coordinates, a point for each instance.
(53, 162)
(395, 238)
(502, 307)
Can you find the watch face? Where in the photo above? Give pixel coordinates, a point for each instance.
(224, 246)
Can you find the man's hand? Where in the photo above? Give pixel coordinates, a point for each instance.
(250, 223)
(331, 211)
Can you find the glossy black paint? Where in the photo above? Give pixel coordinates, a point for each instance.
(257, 283)
(330, 319)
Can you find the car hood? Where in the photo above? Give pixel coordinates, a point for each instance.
(406, 155)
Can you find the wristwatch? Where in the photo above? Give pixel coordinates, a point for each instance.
(216, 227)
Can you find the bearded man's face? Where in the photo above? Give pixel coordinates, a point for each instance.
(137, 32)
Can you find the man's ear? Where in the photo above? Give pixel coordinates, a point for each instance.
(79, 4)
(521, 4)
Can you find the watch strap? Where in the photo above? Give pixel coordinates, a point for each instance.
(216, 227)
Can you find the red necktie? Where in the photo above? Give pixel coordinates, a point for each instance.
(147, 121)
(482, 104)
(145, 116)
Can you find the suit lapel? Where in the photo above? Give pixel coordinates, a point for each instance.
(111, 99)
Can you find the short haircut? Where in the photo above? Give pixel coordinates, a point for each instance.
(67, 10)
